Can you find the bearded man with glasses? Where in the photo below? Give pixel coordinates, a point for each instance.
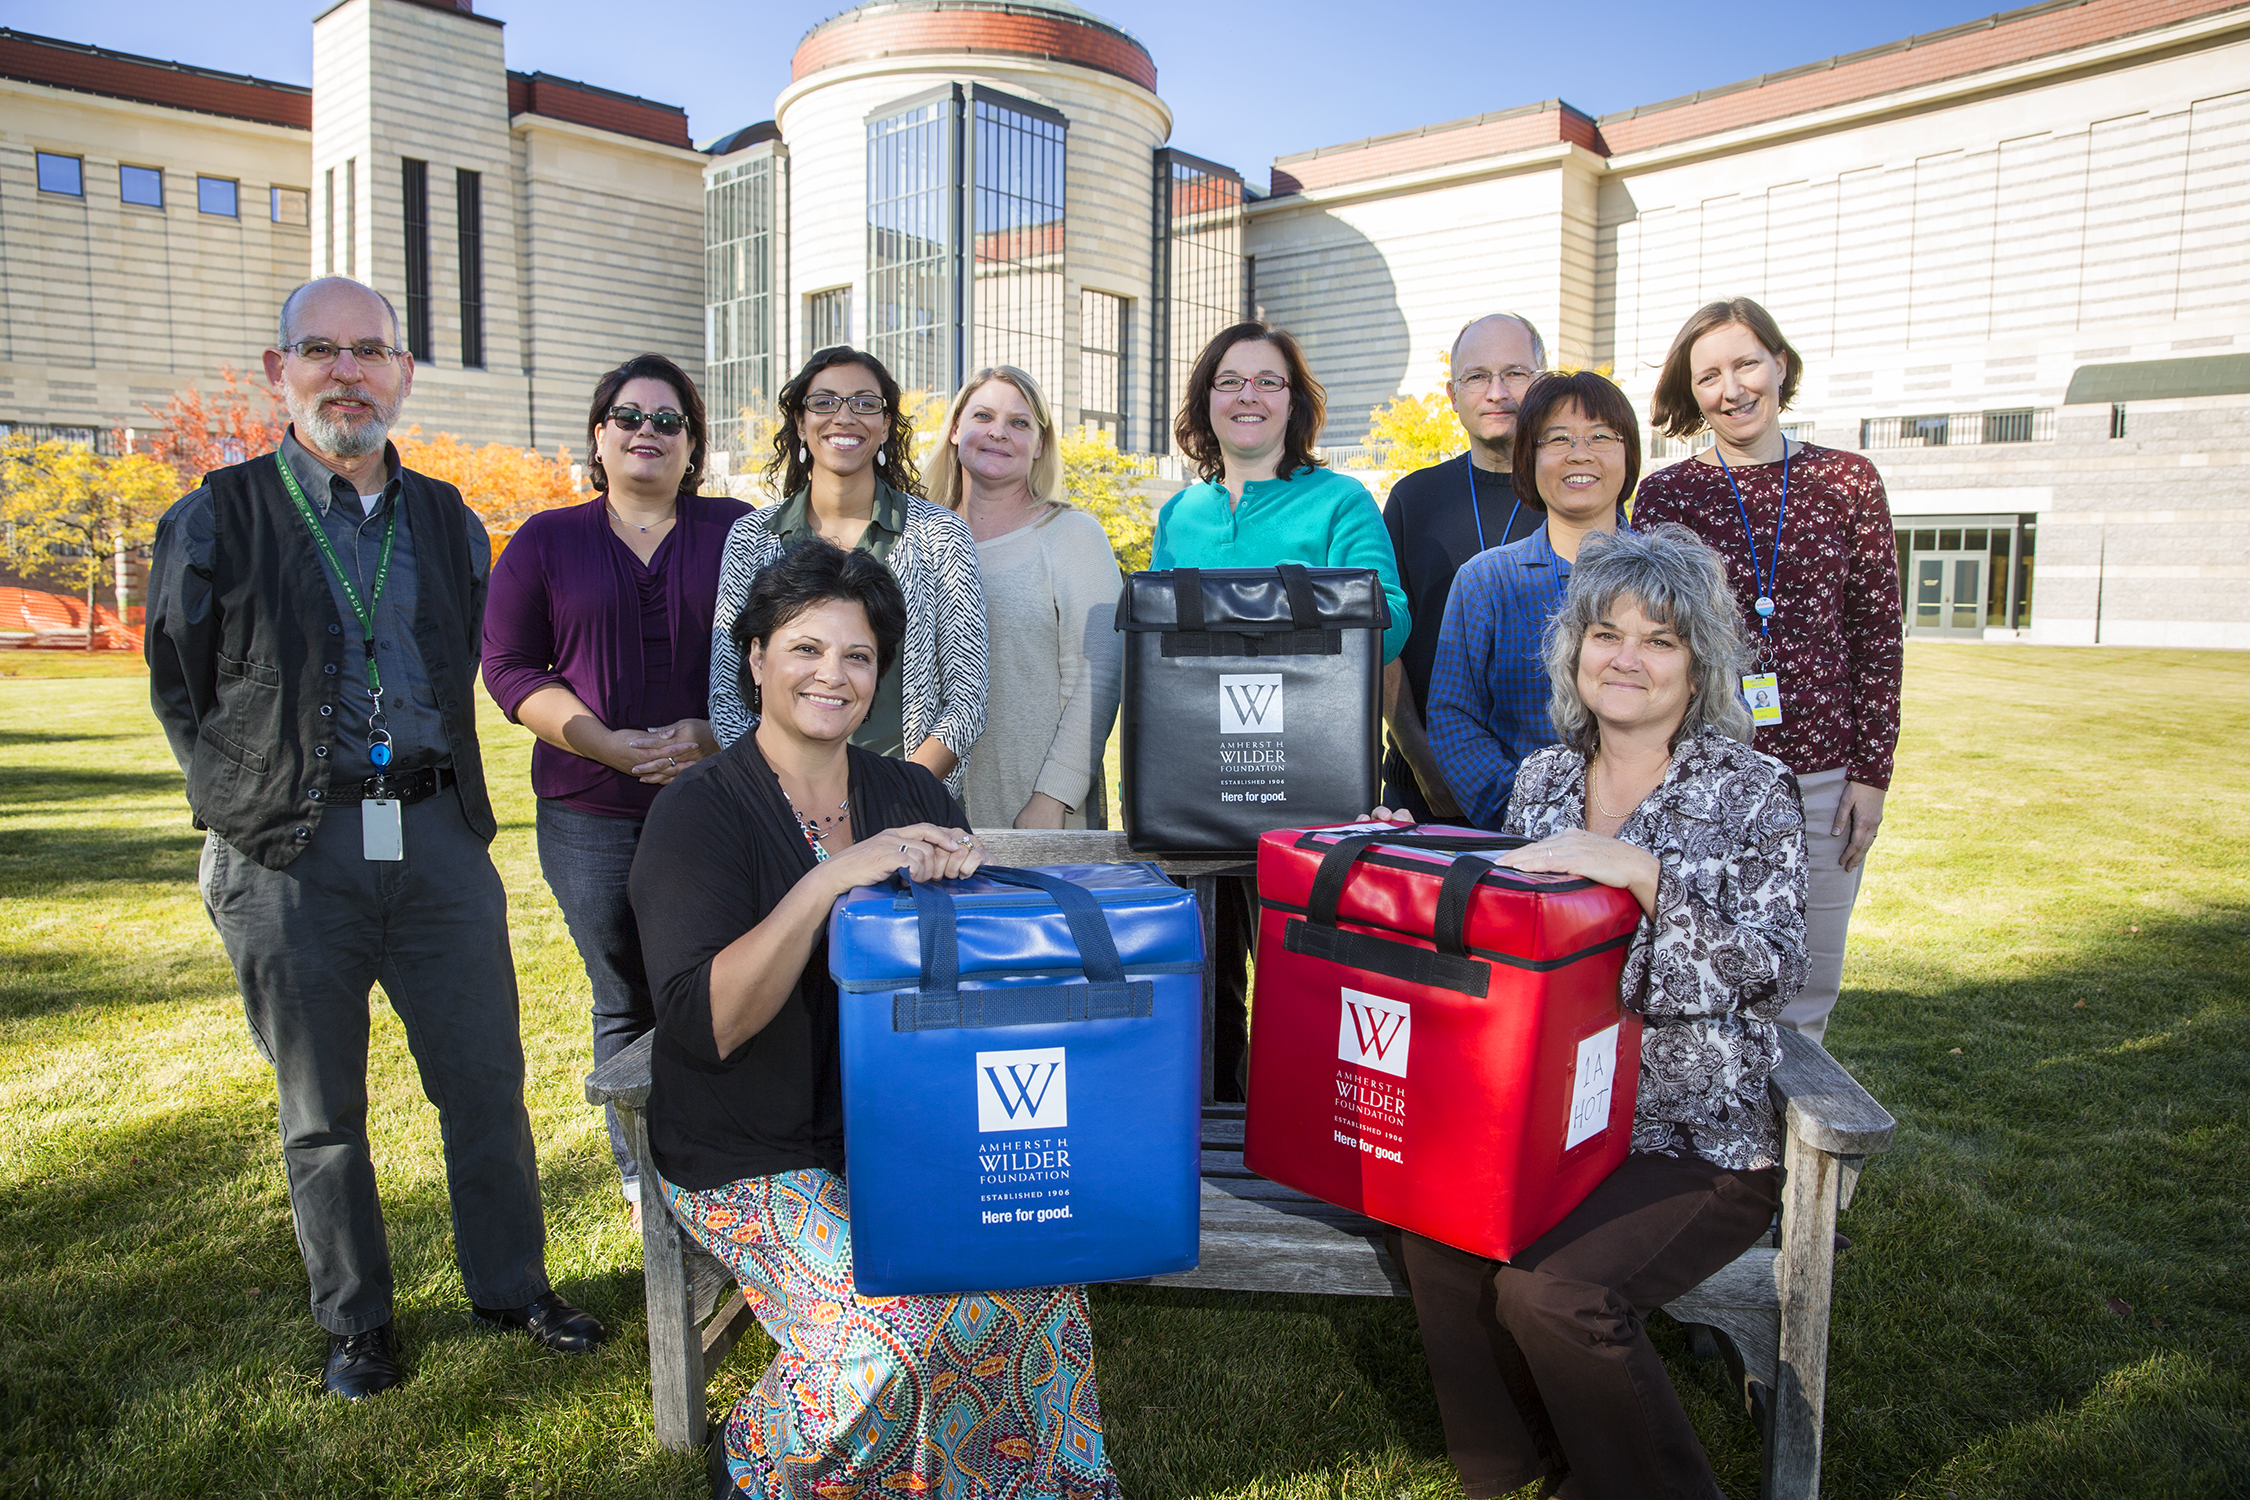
(313, 627)
(1439, 518)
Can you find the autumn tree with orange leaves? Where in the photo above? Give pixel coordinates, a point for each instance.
(198, 431)
(505, 485)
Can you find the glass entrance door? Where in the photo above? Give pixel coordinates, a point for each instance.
(1948, 591)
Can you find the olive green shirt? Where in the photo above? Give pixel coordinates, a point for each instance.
(883, 731)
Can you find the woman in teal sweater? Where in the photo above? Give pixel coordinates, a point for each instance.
(1249, 420)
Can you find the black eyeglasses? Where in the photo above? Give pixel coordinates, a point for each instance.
(828, 404)
(630, 418)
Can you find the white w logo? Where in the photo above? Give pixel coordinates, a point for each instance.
(1375, 1033)
(1025, 1090)
(1250, 703)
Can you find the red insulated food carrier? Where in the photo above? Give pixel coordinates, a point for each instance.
(1435, 1041)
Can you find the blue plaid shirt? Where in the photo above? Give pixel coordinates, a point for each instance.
(1488, 686)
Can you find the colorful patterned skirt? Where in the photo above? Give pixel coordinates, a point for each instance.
(980, 1397)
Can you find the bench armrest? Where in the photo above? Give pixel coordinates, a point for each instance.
(1088, 846)
(1824, 1106)
(624, 1078)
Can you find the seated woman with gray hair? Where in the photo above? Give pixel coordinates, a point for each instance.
(1542, 1364)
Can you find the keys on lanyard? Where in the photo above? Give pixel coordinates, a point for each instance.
(1761, 690)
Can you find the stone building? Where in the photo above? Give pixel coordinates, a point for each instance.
(2012, 253)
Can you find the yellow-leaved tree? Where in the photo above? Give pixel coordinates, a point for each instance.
(1105, 484)
(504, 485)
(73, 514)
(1414, 432)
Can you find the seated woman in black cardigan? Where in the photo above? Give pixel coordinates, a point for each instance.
(743, 856)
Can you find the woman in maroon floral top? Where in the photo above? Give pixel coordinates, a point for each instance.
(1806, 534)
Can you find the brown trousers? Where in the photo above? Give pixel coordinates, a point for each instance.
(1543, 1364)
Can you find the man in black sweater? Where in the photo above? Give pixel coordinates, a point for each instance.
(1439, 518)
(314, 621)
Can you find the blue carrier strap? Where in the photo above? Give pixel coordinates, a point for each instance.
(942, 1005)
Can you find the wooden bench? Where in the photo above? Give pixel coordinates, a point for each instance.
(1766, 1314)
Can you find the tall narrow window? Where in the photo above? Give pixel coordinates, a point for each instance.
(742, 300)
(1200, 277)
(1103, 321)
(468, 193)
(1017, 289)
(351, 216)
(828, 319)
(913, 241)
(328, 222)
(415, 182)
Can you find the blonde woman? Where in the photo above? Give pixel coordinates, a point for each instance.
(1050, 596)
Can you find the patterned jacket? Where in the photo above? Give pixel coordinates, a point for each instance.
(1725, 950)
(941, 661)
(1837, 628)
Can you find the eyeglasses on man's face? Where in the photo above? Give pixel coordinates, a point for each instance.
(1267, 384)
(1515, 378)
(630, 418)
(1603, 443)
(828, 405)
(370, 352)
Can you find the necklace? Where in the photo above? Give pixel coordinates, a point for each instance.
(817, 830)
(668, 520)
(1593, 785)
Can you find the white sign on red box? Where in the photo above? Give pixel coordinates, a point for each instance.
(1590, 1088)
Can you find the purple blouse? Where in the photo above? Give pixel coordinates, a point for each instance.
(569, 605)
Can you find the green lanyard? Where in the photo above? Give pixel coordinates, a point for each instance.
(379, 738)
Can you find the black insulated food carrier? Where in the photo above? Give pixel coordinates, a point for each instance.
(1253, 700)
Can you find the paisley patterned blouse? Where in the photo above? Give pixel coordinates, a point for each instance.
(1725, 950)
(1837, 628)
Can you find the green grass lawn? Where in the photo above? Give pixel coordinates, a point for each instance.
(2047, 986)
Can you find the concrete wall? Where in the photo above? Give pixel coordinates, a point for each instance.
(1377, 283)
(108, 307)
(612, 243)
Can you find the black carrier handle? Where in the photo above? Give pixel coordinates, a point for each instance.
(1187, 597)
(1450, 967)
(941, 1003)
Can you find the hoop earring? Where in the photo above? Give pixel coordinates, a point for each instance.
(599, 475)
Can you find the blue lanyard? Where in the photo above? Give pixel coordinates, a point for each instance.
(1766, 577)
(1477, 510)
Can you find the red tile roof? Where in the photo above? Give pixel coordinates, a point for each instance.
(2015, 36)
(149, 80)
(1994, 42)
(603, 109)
(1436, 145)
(919, 26)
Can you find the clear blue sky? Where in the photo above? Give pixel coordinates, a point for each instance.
(1246, 82)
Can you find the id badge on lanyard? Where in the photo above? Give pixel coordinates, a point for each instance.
(1761, 690)
(382, 829)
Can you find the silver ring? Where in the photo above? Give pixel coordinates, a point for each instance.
(674, 764)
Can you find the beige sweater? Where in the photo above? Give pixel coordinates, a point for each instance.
(1050, 604)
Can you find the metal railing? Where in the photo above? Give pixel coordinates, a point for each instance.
(1960, 428)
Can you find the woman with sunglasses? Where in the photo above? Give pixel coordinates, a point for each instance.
(1249, 422)
(843, 465)
(597, 638)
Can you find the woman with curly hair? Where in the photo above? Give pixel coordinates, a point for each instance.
(843, 464)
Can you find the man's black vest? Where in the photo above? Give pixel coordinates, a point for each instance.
(254, 777)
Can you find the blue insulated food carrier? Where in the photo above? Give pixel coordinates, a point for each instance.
(1022, 1058)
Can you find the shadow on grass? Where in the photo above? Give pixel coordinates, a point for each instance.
(34, 862)
(159, 1342)
(10, 738)
(42, 786)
